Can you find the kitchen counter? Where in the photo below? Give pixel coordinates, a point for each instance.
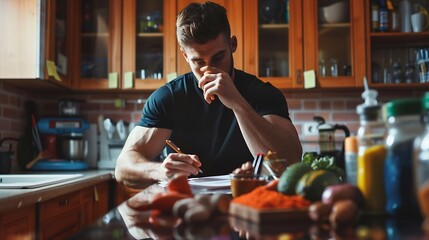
(126, 223)
(11, 199)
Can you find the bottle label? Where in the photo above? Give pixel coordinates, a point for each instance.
(384, 20)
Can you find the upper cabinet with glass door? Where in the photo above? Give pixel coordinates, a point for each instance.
(99, 44)
(273, 47)
(334, 42)
(398, 43)
(148, 49)
(58, 40)
(291, 37)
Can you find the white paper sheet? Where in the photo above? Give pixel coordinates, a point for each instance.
(207, 183)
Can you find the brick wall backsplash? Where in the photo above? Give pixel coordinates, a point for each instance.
(334, 106)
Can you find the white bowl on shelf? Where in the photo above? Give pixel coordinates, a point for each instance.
(335, 13)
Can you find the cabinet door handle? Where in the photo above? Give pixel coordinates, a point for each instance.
(298, 77)
(64, 203)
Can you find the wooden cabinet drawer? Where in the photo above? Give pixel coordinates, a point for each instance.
(18, 224)
(61, 226)
(59, 205)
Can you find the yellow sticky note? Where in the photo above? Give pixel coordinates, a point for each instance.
(113, 80)
(309, 79)
(52, 70)
(128, 80)
(171, 76)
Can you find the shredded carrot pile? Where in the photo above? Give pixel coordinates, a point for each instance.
(262, 198)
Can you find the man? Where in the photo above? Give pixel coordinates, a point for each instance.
(218, 116)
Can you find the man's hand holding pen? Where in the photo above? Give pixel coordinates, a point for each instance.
(180, 162)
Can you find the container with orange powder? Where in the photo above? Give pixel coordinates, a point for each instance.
(371, 153)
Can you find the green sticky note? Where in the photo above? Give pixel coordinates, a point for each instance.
(309, 79)
(128, 80)
(113, 80)
(118, 103)
(171, 76)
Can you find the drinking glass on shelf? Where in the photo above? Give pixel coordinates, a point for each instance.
(322, 68)
(396, 72)
(334, 68)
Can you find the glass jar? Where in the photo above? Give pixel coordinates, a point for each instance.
(371, 156)
(421, 162)
(403, 123)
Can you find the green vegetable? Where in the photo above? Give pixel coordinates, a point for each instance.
(312, 184)
(323, 163)
(290, 177)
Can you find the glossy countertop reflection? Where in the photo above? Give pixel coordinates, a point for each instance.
(124, 222)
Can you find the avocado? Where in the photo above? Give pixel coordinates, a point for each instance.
(312, 184)
(290, 177)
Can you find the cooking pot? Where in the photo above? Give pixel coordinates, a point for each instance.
(73, 147)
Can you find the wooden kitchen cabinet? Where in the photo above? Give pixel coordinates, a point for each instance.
(18, 224)
(60, 217)
(63, 216)
(95, 203)
(397, 59)
(286, 38)
(125, 44)
(35, 32)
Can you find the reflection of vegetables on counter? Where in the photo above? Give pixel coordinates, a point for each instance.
(180, 201)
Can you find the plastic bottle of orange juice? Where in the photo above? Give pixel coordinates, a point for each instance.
(371, 152)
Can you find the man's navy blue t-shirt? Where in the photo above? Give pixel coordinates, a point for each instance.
(211, 130)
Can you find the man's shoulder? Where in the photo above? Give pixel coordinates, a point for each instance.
(181, 79)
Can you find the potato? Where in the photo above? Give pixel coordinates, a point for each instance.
(343, 212)
(319, 211)
(337, 192)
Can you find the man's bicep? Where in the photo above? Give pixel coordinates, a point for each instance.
(147, 141)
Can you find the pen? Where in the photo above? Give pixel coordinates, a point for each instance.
(177, 149)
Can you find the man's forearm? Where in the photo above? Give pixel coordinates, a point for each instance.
(262, 134)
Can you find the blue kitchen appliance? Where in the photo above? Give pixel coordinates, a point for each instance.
(63, 139)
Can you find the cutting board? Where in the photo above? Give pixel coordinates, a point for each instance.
(267, 215)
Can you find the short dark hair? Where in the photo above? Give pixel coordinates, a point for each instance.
(199, 23)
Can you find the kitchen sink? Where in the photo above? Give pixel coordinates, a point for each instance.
(34, 180)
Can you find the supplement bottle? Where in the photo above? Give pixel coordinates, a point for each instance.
(371, 153)
(421, 162)
(350, 157)
(403, 124)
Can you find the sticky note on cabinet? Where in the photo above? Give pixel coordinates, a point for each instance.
(171, 76)
(52, 70)
(113, 80)
(128, 80)
(309, 79)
